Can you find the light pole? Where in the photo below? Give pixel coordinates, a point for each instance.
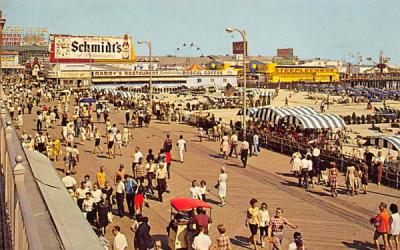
(148, 43)
(243, 34)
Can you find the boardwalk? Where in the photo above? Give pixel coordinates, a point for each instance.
(325, 222)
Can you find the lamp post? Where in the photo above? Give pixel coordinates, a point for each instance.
(243, 34)
(148, 43)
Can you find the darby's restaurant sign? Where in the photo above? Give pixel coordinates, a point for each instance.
(86, 49)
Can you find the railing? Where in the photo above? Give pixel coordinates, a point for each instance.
(23, 233)
(37, 212)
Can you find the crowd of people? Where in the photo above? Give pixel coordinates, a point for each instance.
(103, 196)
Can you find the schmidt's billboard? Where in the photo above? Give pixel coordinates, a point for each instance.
(85, 49)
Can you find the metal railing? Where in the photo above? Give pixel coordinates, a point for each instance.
(37, 212)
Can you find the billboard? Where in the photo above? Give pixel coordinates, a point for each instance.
(85, 49)
(238, 48)
(285, 53)
(9, 60)
(25, 36)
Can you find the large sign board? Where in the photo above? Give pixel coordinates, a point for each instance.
(285, 53)
(24, 36)
(238, 48)
(9, 60)
(81, 49)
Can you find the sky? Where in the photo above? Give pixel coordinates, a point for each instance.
(330, 29)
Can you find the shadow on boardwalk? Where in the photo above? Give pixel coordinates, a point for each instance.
(359, 245)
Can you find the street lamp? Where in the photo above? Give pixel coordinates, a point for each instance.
(243, 34)
(148, 43)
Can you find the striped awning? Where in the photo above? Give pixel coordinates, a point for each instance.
(249, 111)
(389, 142)
(316, 121)
(275, 114)
(257, 91)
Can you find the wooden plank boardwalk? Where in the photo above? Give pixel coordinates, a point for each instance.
(325, 222)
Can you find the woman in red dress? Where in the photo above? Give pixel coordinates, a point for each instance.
(140, 196)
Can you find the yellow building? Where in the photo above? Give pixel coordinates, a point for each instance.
(295, 73)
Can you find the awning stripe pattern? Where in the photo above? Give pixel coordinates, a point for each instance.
(275, 114)
(249, 111)
(389, 142)
(255, 91)
(316, 121)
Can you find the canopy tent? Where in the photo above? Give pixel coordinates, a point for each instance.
(249, 111)
(257, 91)
(275, 114)
(185, 204)
(195, 67)
(315, 121)
(389, 142)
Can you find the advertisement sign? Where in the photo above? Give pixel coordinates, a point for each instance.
(9, 60)
(238, 48)
(81, 49)
(307, 70)
(285, 53)
(25, 36)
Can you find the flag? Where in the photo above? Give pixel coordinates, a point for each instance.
(229, 90)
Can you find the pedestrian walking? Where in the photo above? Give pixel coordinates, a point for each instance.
(244, 152)
(103, 208)
(264, 222)
(234, 144)
(253, 221)
(130, 187)
(137, 155)
(382, 226)
(224, 147)
(256, 139)
(120, 242)
(151, 174)
(275, 229)
(221, 186)
(223, 241)
(181, 143)
(394, 226)
(297, 243)
(332, 176)
(161, 178)
(143, 239)
(120, 194)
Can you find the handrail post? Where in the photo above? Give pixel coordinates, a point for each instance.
(19, 169)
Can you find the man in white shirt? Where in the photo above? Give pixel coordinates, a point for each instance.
(120, 242)
(194, 191)
(181, 146)
(120, 194)
(201, 241)
(68, 181)
(307, 170)
(234, 144)
(244, 152)
(136, 156)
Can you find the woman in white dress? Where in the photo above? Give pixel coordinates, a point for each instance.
(223, 177)
(225, 146)
(394, 226)
(296, 163)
